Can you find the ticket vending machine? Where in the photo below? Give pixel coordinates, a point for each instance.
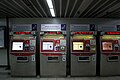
(23, 50)
(110, 50)
(53, 50)
(83, 50)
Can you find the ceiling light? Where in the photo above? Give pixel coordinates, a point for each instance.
(52, 12)
(49, 2)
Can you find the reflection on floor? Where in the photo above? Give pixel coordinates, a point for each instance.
(4, 75)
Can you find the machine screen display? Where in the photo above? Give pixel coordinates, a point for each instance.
(47, 46)
(78, 45)
(107, 45)
(17, 46)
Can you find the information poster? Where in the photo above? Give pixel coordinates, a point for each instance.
(1, 38)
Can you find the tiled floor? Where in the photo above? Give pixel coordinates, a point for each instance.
(5, 76)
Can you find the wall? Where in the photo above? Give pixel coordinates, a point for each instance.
(68, 21)
(97, 21)
(3, 52)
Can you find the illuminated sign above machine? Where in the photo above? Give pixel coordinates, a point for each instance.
(22, 32)
(53, 27)
(112, 33)
(53, 32)
(84, 33)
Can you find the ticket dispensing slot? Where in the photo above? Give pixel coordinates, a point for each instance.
(22, 59)
(53, 58)
(83, 58)
(113, 58)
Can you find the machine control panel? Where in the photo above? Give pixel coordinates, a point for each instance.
(23, 42)
(23, 45)
(110, 42)
(53, 42)
(53, 45)
(83, 42)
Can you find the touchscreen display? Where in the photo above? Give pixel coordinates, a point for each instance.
(107, 46)
(17, 46)
(78, 45)
(47, 46)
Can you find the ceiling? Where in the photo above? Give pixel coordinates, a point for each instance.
(63, 8)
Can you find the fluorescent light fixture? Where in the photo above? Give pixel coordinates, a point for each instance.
(52, 12)
(49, 2)
(50, 5)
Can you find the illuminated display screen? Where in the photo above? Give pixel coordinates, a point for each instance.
(113, 33)
(22, 32)
(17, 46)
(53, 32)
(89, 33)
(78, 45)
(107, 45)
(47, 46)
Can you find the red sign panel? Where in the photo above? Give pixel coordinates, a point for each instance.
(84, 33)
(112, 33)
(22, 32)
(53, 32)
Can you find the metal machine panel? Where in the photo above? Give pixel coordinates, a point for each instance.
(83, 50)
(84, 67)
(109, 67)
(52, 68)
(23, 50)
(53, 50)
(22, 68)
(110, 51)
